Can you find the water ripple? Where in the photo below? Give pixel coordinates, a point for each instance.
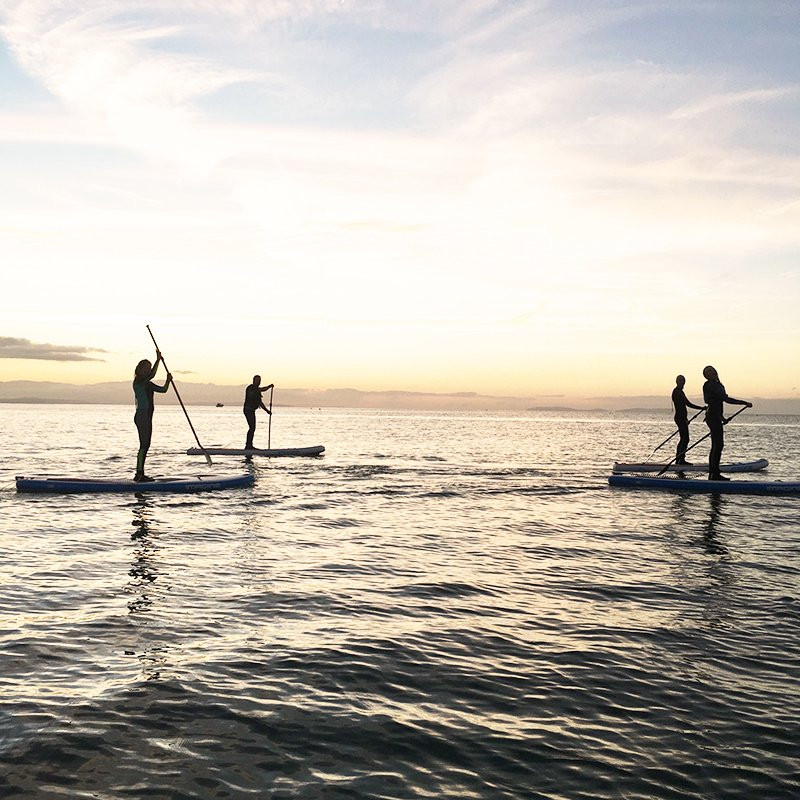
(425, 612)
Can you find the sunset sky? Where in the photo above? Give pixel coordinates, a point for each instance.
(525, 198)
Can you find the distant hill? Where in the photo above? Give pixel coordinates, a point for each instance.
(120, 393)
(209, 394)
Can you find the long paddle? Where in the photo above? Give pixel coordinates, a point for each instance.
(698, 442)
(672, 436)
(269, 429)
(177, 394)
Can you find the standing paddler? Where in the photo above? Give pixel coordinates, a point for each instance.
(143, 389)
(680, 402)
(715, 396)
(252, 402)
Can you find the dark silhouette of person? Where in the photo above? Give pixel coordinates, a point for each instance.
(143, 389)
(715, 396)
(680, 403)
(252, 402)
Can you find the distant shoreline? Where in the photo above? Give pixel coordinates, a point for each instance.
(209, 394)
(667, 412)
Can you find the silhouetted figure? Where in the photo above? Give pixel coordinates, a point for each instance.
(143, 389)
(714, 395)
(252, 402)
(680, 403)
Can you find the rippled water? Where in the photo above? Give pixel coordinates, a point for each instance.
(444, 605)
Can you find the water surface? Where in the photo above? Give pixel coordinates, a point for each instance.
(443, 605)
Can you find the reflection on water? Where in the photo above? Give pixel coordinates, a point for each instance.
(144, 572)
(713, 525)
(703, 513)
(723, 577)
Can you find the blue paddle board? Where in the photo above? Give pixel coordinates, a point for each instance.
(200, 483)
(703, 485)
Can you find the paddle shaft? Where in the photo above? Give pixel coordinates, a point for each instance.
(672, 435)
(702, 438)
(178, 395)
(269, 427)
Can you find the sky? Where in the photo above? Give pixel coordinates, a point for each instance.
(513, 198)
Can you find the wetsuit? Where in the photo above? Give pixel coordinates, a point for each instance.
(680, 402)
(143, 389)
(252, 402)
(715, 395)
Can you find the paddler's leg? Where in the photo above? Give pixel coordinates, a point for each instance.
(683, 443)
(144, 425)
(715, 456)
(250, 416)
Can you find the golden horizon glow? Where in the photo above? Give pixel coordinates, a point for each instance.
(595, 215)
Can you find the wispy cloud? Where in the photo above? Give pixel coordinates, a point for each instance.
(106, 65)
(11, 347)
(731, 99)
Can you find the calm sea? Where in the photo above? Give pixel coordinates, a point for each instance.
(442, 606)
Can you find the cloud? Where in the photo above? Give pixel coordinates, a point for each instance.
(731, 99)
(111, 69)
(11, 347)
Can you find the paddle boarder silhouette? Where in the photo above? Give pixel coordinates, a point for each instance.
(715, 396)
(680, 403)
(143, 389)
(252, 402)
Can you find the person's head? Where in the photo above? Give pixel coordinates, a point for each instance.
(710, 374)
(680, 381)
(256, 380)
(143, 369)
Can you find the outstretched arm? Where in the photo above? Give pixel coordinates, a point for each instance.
(736, 402)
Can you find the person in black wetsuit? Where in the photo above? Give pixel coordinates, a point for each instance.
(715, 396)
(680, 403)
(143, 389)
(252, 402)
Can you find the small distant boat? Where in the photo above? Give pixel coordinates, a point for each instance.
(316, 450)
(703, 485)
(199, 483)
(744, 466)
(220, 405)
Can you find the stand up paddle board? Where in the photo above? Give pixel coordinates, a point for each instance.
(743, 466)
(201, 483)
(703, 485)
(256, 451)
